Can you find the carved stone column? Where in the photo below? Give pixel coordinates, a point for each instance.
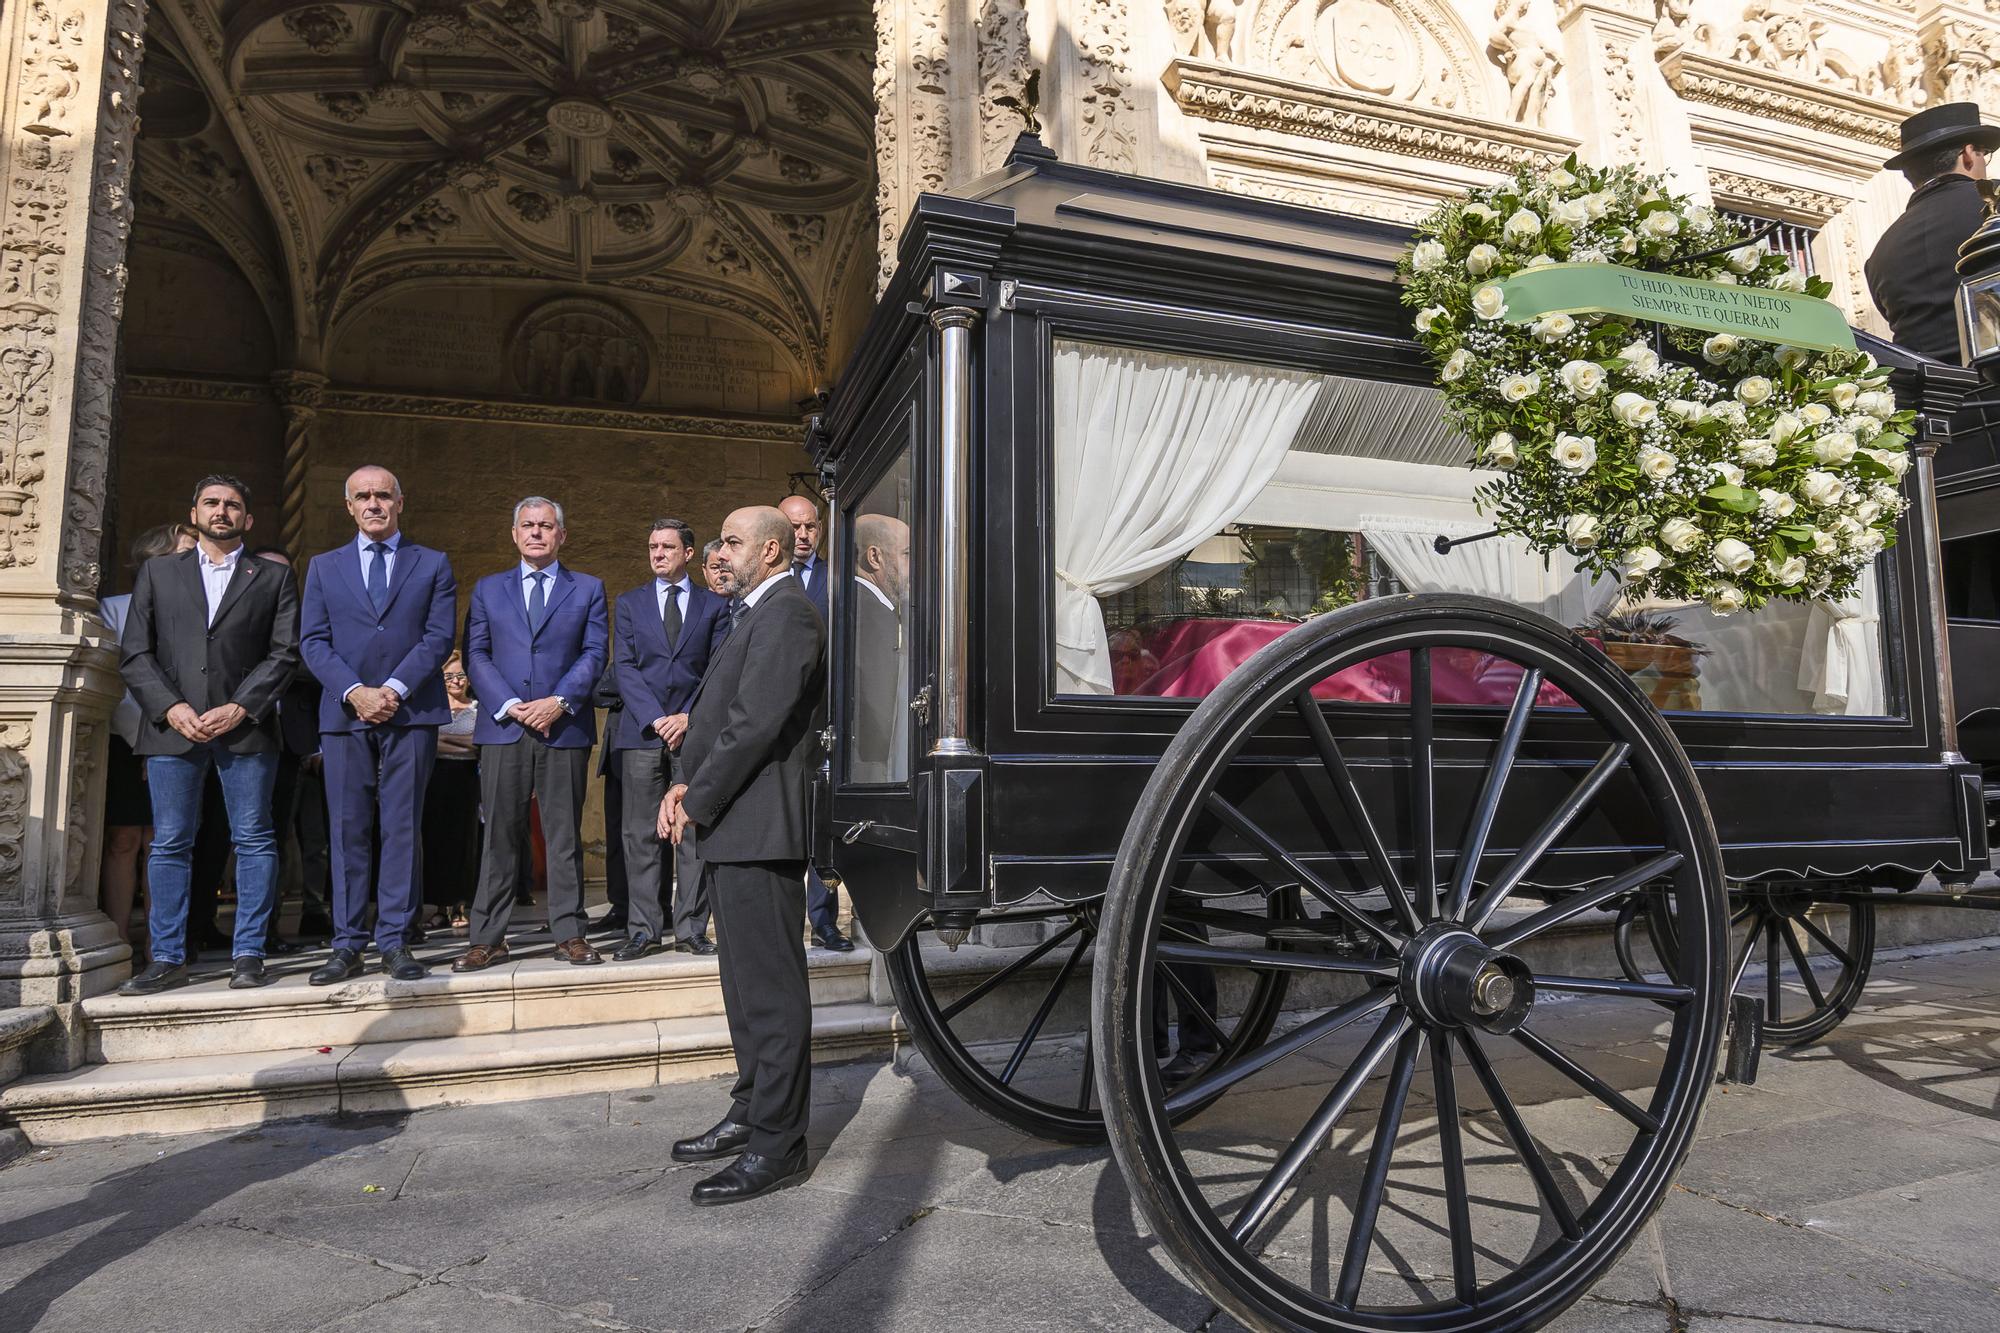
(1608, 61)
(72, 71)
(299, 393)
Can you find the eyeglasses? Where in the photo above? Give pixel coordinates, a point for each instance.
(458, 676)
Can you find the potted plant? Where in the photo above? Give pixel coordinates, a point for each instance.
(1645, 647)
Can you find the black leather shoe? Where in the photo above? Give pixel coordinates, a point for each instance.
(164, 976)
(402, 965)
(833, 940)
(749, 1176)
(637, 947)
(277, 946)
(701, 944)
(1183, 1067)
(726, 1139)
(345, 963)
(610, 921)
(247, 973)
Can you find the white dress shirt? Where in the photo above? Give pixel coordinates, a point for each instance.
(527, 574)
(362, 542)
(756, 594)
(215, 576)
(660, 587)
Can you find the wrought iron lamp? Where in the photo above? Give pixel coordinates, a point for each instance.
(1979, 296)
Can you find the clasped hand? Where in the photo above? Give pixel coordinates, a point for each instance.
(671, 729)
(674, 822)
(538, 715)
(374, 704)
(202, 727)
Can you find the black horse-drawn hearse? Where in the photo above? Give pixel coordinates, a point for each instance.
(1158, 687)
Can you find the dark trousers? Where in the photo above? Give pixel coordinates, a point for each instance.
(658, 872)
(617, 883)
(764, 992)
(375, 782)
(451, 833)
(822, 907)
(557, 779)
(308, 823)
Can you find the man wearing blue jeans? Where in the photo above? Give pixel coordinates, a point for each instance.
(211, 639)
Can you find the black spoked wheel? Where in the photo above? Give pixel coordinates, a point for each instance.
(1005, 1020)
(1815, 955)
(1473, 1134)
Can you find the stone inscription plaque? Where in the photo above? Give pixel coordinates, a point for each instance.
(701, 364)
(419, 345)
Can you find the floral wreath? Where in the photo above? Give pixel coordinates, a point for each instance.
(1691, 466)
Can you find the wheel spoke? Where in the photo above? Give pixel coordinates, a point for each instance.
(1300, 1037)
(1311, 882)
(1588, 1081)
(1525, 1146)
(1286, 1169)
(1271, 960)
(1826, 943)
(1636, 990)
(1545, 837)
(1044, 1010)
(1584, 899)
(1480, 826)
(1773, 984)
(1423, 789)
(1349, 795)
(1457, 1200)
(1193, 1006)
(1749, 951)
(1375, 1180)
(1805, 969)
(973, 996)
(1247, 923)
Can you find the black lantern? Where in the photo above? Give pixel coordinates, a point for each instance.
(1979, 296)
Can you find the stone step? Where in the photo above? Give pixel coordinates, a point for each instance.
(527, 994)
(191, 1093)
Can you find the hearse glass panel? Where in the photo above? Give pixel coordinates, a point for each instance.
(1204, 505)
(878, 602)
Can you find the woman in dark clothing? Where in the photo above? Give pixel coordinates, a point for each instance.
(451, 809)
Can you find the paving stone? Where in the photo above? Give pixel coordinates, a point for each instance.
(1796, 1169)
(1736, 1324)
(449, 1307)
(1905, 1219)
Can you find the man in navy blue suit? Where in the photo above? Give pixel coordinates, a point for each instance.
(811, 572)
(664, 634)
(536, 640)
(376, 626)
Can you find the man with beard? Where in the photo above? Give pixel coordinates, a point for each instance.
(210, 640)
(802, 516)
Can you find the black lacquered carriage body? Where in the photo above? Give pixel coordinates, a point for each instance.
(998, 762)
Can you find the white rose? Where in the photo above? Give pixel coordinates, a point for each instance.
(1580, 531)
(1791, 280)
(1757, 453)
(1685, 409)
(1876, 403)
(1753, 391)
(1775, 504)
(1539, 261)
(1628, 244)
(1723, 276)
(1553, 328)
(1727, 473)
(1681, 535)
(1519, 388)
(1815, 414)
(1657, 464)
(1719, 348)
(1789, 572)
(1790, 358)
(1822, 488)
(1455, 365)
(1501, 451)
(1784, 426)
(1427, 256)
(1882, 493)
(1745, 258)
(1871, 541)
(1895, 460)
(1843, 395)
(1588, 254)
(1480, 259)
(1583, 378)
(1834, 449)
(1824, 542)
(1638, 562)
(1575, 453)
(1847, 528)
(1659, 224)
(1868, 511)
(1523, 227)
(1862, 427)
(1729, 412)
(1641, 360)
(1732, 556)
(1481, 213)
(1725, 598)
(1635, 409)
(1560, 178)
(1596, 204)
(1571, 213)
(1488, 303)
(1430, 315)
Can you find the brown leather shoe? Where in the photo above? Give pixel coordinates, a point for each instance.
(478, 958)
(578, 951)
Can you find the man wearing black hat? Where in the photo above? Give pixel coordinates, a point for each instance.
(1912, 273)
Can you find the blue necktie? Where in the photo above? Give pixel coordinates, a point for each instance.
(538, 606)
(378, 576)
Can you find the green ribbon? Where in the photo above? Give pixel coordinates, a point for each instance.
(1756, 313)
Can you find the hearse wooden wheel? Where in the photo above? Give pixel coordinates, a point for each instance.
(1814, 956)
(1003, 1037)
(1470, 1137)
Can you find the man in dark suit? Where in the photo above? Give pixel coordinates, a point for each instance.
(879, 745)
(617, 884)
(1912, 273)
(667, 630)
(378, 614)
(210, 639)
(298, 732)
(748, 755)
(536, 640)
(802, 515)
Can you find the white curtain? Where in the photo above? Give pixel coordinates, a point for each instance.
(1502, 567)
(1153, 453)
(1841, 665)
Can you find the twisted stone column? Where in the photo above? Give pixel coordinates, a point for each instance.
(299, 394)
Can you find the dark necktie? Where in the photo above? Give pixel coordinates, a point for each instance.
(670, 616)
(738, 608)
(800, 571)
(378, 576)
(538, 605)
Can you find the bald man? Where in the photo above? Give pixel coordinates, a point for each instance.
(803, 516)
(748, 757)
(880, 739)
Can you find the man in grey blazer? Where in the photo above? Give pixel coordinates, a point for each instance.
(748, 757)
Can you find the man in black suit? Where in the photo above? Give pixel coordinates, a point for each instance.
(749, 753)
(210, 640)
(297, 786)
(880, 739)
(803, 517)
(617, 884)
(1912, 274)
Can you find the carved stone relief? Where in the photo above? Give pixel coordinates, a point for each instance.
(86, 754)
(322, 28)
(1529, 63)
(15, 734)
(1104, 69)
(1415, 52)
(1003, 73)
(1779, 35)
(1964, 60)
(804, 232)
(429, 221)
(580, 349)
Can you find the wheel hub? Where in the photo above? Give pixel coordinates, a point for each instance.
(1450, 977)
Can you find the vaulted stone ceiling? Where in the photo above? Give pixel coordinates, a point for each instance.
(715, 155)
